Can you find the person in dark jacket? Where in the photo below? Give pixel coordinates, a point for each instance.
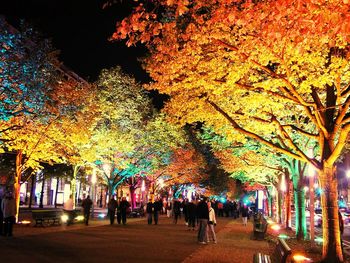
(177, 211)
(1, 215)
(149, 211)
(86, 204)
(203, 218)
(157, 208)
(244, 213)
(191, 215)
(124, 205)
(112, 206)
(8, 207)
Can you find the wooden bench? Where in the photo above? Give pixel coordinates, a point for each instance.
(46, 217)
(280, 254)
(259, 229)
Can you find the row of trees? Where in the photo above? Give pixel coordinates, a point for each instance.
(276, 72)
(51, 116)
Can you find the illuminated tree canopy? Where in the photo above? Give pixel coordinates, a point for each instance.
(267, 70)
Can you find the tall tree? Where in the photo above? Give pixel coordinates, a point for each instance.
(270, 69)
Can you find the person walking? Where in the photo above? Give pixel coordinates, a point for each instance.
(203, 217)
(86, 204)
(177, 210)
(191, 215)
(112, 206)
(69, 209)
(149, 211)
(157, 209)
(124, 205)
(1, 214)
(119, 213)
(8, 207)
(211, 224)
(244, 213)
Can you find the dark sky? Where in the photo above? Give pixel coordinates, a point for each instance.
(80, 30)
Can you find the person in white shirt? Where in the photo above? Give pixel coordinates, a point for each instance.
(68, 207)
(211, 224)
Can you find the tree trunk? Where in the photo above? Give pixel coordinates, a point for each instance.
(73, 183)
(288, 212)
(332, 252)
(57, 184)
(18, 176)
(299, 201)
(32, 189)
(300, 217)
(279, 206)
(41, 205)
(132, 196)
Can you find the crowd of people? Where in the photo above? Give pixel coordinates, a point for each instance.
(199, 215)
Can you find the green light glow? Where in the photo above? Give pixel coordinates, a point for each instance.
(283, 236)
(319, 240)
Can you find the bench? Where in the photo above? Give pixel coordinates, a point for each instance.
(46, 217)
(280, 254)
(259, 229)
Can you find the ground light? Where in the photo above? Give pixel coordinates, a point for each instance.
(64, 218)
(276, 227)
(102, 215)
(300, 258)
(319, 240)
(24, 222)
(283, 236)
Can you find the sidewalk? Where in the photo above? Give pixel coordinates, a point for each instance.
(234, 245)
(136, 242)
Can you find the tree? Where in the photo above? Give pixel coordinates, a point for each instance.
(25, 72)
(269, 69)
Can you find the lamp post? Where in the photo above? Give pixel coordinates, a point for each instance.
(93, 182)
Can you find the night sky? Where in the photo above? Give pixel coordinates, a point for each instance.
(80, 30)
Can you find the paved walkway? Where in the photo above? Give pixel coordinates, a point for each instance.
(134, 242)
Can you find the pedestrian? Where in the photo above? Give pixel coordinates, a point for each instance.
(169, 209)
(244, 213)
(191, 215)
(1, 213)
(68, 207)
(86, 204)
(119, 213)
(184, 210)
(157, 209)
(8, 207)
(112, 206)
(220, 209)
(177, 210)
(203, 217)
(211, 224)
(149, 211)
(124, 205)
